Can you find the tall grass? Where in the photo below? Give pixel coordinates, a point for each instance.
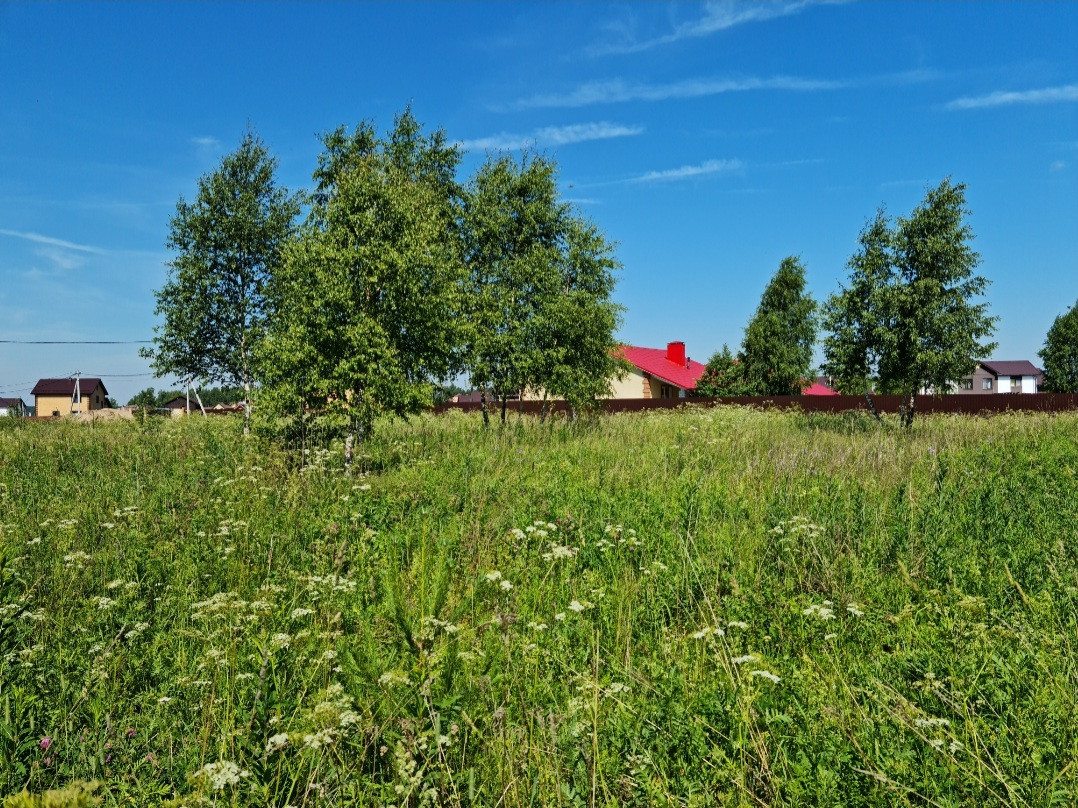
(702, 607)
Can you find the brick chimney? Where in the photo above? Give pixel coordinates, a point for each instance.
(675, 352)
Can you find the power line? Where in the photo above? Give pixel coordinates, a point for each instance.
(75, 342)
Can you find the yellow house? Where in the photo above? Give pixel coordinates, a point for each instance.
(68, 396)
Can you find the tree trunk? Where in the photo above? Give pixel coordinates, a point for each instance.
(246, 386)
(483, 407)
(505, 404)
(872, 404)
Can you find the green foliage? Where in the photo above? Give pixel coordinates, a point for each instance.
(697, 607)
(540, 279)
(1060, 353)
(777, 349)
(367, 303)
(228, 245)
(76, 795)
(907, 319)
(150, 398)
(724, 375)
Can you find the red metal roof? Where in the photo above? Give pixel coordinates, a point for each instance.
(66, 387)
(654, 361)
(818, 389)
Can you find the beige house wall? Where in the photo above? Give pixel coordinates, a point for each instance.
(47, 405)
(638, 384)
(633, 385)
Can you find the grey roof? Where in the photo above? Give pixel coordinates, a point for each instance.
(11, 402)
(1011, 367)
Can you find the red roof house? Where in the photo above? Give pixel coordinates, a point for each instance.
(658, 372)
(818, 388)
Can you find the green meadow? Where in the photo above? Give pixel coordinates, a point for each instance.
(696, 607)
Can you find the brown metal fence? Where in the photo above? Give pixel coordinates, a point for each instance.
(967, 404)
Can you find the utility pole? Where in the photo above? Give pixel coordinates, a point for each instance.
(77, 396)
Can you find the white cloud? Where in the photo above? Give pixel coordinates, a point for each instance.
(552, 136)
(618, 91)
(49, 241)
(1058, 165)
(1002, 98)
(717, 16)
(703, 169)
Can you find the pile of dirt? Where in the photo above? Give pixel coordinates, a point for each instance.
(122, 413)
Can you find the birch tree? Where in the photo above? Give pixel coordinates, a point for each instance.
(228, 244)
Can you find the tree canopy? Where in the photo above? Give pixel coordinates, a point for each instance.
(907, 320)
(539, 283)
(777, 349)
(367, 303)
(228, 245)
(724, 375)
(1060, 353)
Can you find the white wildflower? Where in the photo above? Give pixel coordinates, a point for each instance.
(855, 610)
(741, 660)
(493, 576)
(737, 624)
(222, 774)
(924, 723)
(505, 585)
(316, 740)
(823, 612)
(765, 675)
(708, 631)
(276, 742)
(300, 612)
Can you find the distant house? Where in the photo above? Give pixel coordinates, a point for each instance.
(12, 406)
(820, 387)
(657, 372)
(1002, 376)
(177, 406)
(62, 397)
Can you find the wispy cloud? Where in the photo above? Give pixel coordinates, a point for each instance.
(685, 172)
(718, 16)
(617, 91)
(1003, 98)
(552, 136)
(37, 238)
(206, 146)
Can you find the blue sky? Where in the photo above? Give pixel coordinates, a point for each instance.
(708, 140)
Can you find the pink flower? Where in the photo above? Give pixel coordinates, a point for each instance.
(130, 733)
(46, 742)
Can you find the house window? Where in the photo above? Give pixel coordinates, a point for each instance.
(667, 391)
(1016, 384)
(967, 384)
(986, 384)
